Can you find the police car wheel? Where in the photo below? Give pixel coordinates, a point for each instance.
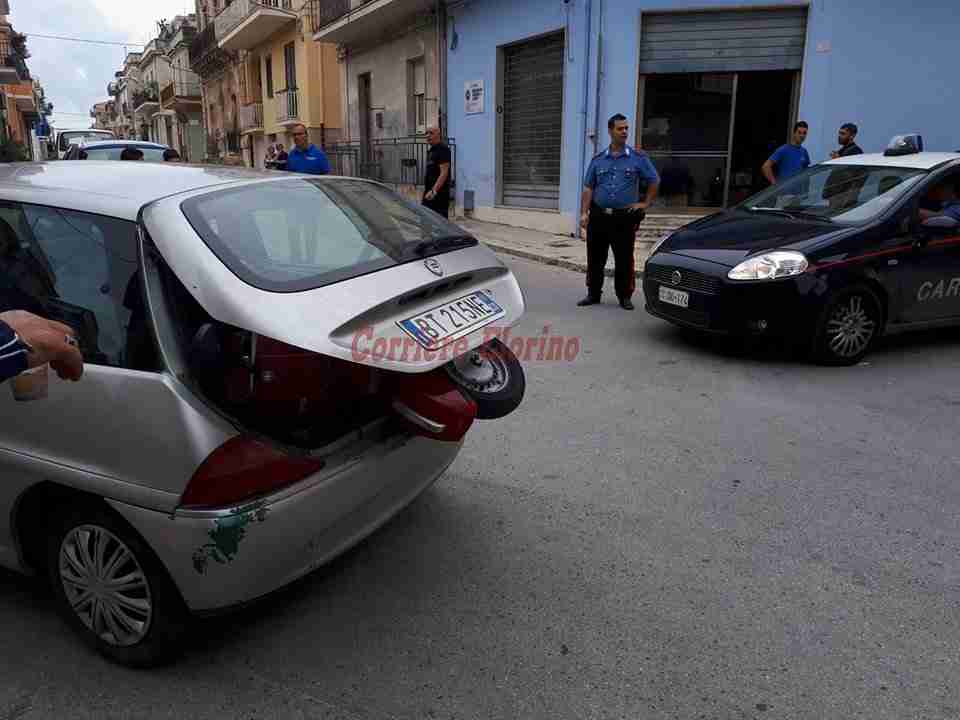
(848, 326)
(492, 377)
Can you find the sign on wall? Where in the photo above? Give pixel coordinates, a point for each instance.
(473, 97)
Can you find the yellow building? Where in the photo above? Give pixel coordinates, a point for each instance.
(285, 77)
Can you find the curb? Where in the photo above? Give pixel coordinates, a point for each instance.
(557, 262)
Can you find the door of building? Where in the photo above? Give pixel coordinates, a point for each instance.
(532, 122)
(718, 93)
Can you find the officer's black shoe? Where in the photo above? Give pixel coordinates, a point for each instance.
(626, 304)
(588, 300)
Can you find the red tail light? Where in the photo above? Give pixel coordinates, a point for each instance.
(243, 468)
(433, 406)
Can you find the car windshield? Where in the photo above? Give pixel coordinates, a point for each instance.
(845, 194)
(69, 138)
(150, 154)
(302, 234)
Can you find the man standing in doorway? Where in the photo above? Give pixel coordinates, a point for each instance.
(612, 212)
(846, 136)
(305, 157)
(790, 159)
(436, 180)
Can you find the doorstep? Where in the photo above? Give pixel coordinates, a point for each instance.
(562, 250)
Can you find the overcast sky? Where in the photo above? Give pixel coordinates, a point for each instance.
(75, 75)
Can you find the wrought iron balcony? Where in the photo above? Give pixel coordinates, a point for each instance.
(244, 24)
(288, 106)
(251, 116)
(180, 91)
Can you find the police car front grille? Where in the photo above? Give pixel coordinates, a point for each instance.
(689, 279)
(685, 315)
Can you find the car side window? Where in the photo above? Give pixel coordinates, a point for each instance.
(80, 269)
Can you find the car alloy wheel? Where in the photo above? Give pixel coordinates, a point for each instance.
(850, 327)
(105, 585)
(849, 324)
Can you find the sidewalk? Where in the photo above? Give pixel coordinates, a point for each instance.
(562, 250)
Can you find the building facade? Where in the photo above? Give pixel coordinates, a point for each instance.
(390, 57)
(709, 88)
(180, 118)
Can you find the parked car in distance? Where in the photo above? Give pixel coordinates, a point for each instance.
(65, 138)
(114, 150)
(275, 366)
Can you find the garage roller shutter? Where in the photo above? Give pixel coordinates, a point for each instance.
(532, 122)
(722, 41)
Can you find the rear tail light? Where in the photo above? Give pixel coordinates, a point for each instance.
(243, 468)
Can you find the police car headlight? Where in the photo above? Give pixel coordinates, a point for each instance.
(770, 266)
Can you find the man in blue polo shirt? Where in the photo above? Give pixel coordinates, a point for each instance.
(305, 157)
(789, 159)
(613, 210)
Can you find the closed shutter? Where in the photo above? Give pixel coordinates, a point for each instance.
(532, 122)
(722, 41)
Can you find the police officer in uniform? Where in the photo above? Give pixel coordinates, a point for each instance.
(612, 211)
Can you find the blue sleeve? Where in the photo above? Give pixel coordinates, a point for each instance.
(649, 172)
(806, 158)
(777, 156)
(13, 353)
(324, 163)
(590, 180)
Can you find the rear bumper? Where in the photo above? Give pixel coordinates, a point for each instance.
(245, 553)
(781, 308)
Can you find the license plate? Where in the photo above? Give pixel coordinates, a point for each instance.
(445, 323)
(674, 297)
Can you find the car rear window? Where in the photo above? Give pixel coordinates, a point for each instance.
(150, 154)
(74, 137)
(300, 234)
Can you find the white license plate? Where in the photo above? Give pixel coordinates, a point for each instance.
(674, 297)
(445, 323)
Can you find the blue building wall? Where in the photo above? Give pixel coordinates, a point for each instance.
(889, 67)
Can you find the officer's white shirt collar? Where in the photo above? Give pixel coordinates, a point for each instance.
(626, 149)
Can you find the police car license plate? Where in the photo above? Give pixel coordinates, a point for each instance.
(674, 297)
(445, 323)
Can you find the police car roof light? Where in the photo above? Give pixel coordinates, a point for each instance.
(904, 145)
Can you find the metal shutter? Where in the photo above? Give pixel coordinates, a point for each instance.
(722, 41)
(532, 122)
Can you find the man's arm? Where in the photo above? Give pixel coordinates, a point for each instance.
(649, 173)
(767, 171)
(441, 181)
(324, 163)
(46, 341)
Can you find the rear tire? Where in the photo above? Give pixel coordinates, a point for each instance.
(111, 588)
(492, 377)
(848, 326)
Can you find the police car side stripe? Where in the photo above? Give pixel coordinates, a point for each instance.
(890, 251)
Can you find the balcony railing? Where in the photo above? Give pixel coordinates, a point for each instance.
(398, 161)
(203, 44)
(11, 61)
(187, 89)
(144, 97)
(239, 10)
(251, 116)
(288, 105)
(326, 12)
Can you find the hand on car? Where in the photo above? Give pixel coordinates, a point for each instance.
(52, 342)
(430, 195)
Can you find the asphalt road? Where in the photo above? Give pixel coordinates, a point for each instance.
(665, 529)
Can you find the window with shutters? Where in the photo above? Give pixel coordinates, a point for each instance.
(418, 105)
(531, 136)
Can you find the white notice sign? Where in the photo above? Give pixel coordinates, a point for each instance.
(473, 97)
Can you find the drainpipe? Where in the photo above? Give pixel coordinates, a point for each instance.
(596, 109)
(583, 113)
(442, 64)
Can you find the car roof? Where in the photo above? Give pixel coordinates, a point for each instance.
(124, 143)
(116, 188)
(913, 161)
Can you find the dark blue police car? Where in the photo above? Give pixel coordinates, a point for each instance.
(834, 257)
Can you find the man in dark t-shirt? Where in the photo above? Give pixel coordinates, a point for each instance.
(436, 181)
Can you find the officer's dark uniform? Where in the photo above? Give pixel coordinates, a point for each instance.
(615, 181)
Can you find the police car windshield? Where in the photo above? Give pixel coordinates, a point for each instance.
(846, 194)
(302, 234)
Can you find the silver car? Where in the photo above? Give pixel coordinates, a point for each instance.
(276, 364)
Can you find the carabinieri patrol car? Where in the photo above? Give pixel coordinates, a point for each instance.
(831, 259)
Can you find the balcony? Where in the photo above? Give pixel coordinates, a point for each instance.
(206, 57)
(13, 68)
(22, 94)
(244, 24)
(349, 21)
(180, 94)
(288, 107)
(251, 117)
(146, 102)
